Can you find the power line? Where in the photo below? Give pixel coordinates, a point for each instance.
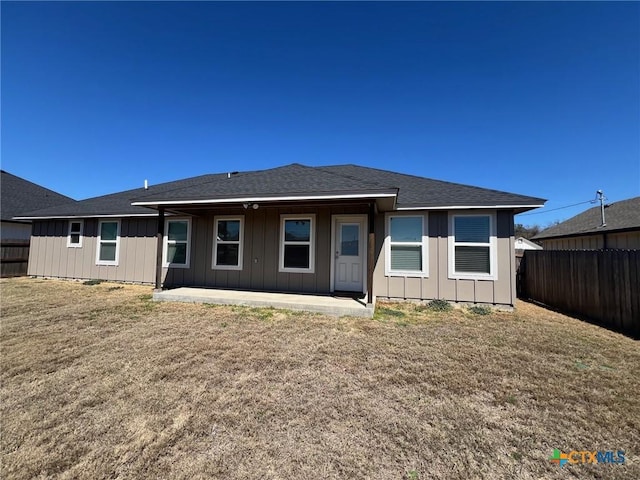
(554, 209)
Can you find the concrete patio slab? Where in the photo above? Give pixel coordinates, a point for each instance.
(326, 304)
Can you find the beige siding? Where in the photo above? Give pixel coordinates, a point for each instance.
(625, 241)
(15, 231)
(50, 257)
(622, 240)
(438, 284)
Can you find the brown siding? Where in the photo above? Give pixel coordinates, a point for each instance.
(261, 252)
(438, 284)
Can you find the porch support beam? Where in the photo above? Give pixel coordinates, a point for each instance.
(371, 253)
(160, 242)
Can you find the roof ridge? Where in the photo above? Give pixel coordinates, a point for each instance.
(351, 177)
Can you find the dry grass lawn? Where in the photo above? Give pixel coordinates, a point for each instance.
(100, 382)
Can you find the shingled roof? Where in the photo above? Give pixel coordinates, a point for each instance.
(623, 215)
(19, 196)
(292, 181)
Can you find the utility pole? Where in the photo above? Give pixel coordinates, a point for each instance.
(601, 197)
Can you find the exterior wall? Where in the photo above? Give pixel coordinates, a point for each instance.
(49, 255)
(622, 240)
(438, 285)
(260, 253)
(15, 231)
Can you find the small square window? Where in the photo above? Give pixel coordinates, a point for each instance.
(74, 237)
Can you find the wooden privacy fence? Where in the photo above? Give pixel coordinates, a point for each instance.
(14, 257)
(601, 285)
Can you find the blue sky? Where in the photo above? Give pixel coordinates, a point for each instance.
(538, 98)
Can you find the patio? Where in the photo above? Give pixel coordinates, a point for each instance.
(326, 304)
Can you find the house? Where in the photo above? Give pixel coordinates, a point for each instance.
(318, 230)
(523, 244)
(587, 232)
(18, 196)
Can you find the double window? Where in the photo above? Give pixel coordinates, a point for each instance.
(108, 242)
(297, 243)
(406, 246)
(177, 243)
(74, 237)
(472, 246)
(228, 242)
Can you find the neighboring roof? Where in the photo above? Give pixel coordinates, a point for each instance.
(297, 181)
(522, 243)
(623, 215)
(19, 196)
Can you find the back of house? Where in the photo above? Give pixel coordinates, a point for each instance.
(317, 230)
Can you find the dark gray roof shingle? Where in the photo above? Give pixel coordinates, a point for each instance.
(426, 192)
(620, 215)
(296, 180)
(19, 196)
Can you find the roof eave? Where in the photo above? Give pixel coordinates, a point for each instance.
(95, 215)
(516, 208)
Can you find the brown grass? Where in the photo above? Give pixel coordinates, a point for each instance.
(100, 382)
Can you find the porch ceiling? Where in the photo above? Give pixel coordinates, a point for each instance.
(382, 205)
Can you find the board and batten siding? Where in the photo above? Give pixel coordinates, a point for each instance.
(261, 252)
(438, 285)
(615, 240)
(50, 256)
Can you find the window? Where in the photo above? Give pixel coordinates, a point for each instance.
(406, 246)
(472, 243)
(227, 246)
(108, 242)
(176, 251)
(74, 238)
(297, 243)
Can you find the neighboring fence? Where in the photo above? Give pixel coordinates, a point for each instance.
(601, 285)
(14, 257)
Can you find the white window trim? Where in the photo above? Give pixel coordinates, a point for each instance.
(240, 242)
(424, 273)
(81, 234)
(108, 262)
(165, 243)
(312, 243)
(493, 248)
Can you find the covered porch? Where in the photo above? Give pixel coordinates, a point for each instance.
(326, 304)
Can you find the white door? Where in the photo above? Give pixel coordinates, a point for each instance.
(349, 256)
